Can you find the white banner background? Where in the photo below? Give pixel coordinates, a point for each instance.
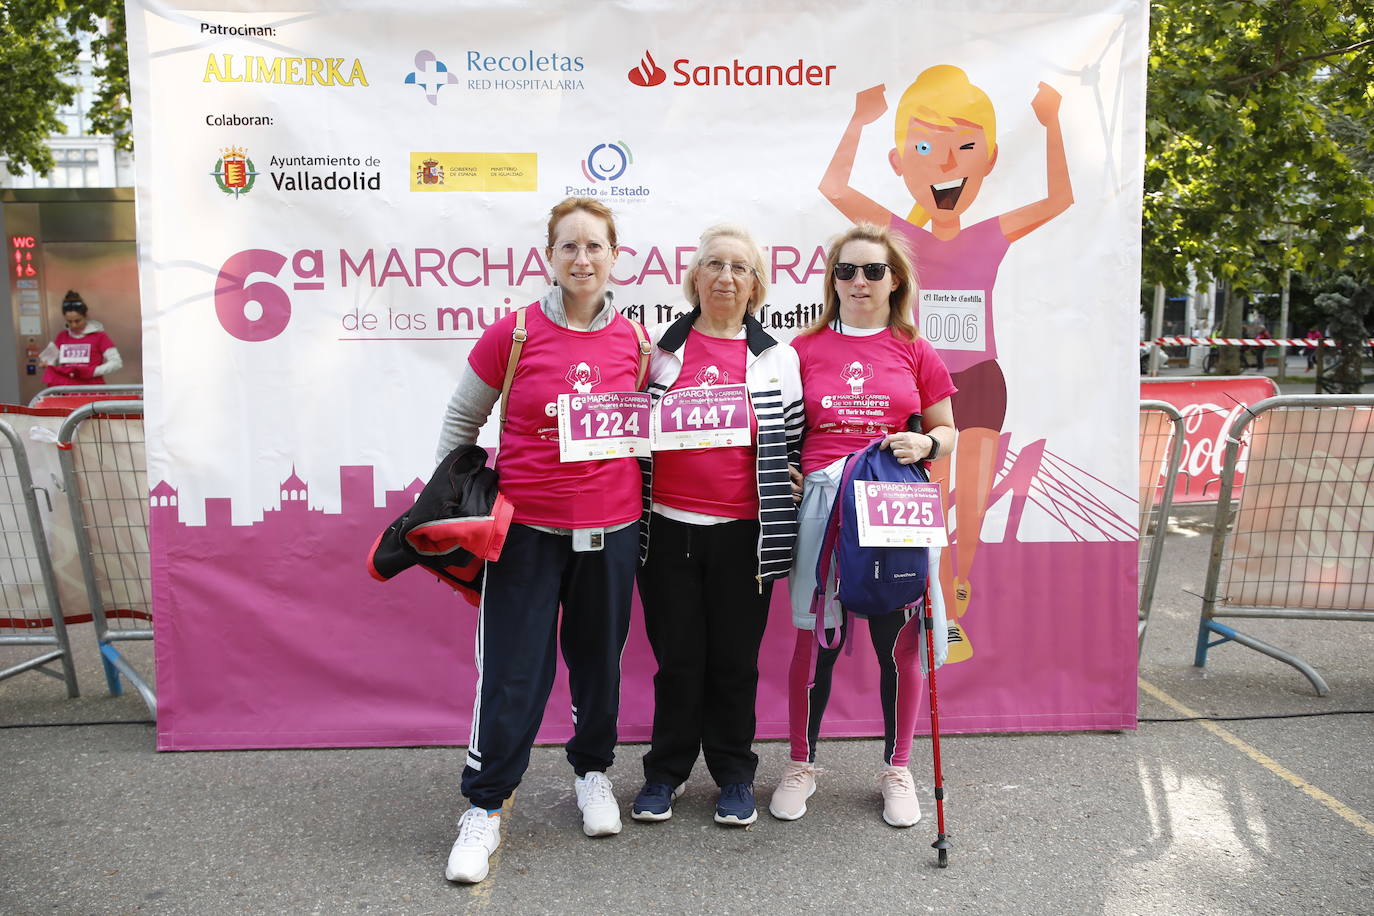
(230, 419)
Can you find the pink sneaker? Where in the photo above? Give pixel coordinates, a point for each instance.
(900, 807)
(798, 783)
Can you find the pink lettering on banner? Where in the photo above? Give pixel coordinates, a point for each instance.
(1209, 406)
(262, 309)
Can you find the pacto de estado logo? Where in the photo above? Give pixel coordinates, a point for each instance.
(734, 73)
(431, 74)
(234, 172)
(607, 161)
(647, 73)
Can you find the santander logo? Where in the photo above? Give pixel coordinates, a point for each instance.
(647, 73)
(734, 72)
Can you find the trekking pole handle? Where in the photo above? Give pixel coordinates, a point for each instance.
(913, 425)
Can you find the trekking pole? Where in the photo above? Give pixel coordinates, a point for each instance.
(942, 845)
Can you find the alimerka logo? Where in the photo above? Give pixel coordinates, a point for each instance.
(734, 73)
(647, 73)
(291, 71)
(234, 172)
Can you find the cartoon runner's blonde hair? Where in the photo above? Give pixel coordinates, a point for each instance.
(943, 95)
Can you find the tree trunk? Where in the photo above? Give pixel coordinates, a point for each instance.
(1232, 315)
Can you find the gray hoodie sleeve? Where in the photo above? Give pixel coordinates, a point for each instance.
(467, 410)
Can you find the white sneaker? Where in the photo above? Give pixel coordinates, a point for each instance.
(900, 807)
(798, 783)
(479, 833)
(600, 810)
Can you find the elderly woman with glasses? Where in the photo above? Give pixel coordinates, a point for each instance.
(572, 541)
(720, 523)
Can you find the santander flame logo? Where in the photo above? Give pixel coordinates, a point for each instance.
(647, 73)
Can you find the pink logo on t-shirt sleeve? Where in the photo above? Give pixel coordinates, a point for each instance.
(856, 374)
(583, 378)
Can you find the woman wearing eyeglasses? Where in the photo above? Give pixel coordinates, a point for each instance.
(572, 542)
(720, 523)
(865, 371)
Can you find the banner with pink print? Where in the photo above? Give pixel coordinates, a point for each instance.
(336, 199)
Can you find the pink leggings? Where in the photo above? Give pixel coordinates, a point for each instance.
(896, 640)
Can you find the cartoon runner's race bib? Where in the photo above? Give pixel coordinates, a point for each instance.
(892, 514)
(74, 353)
(955, 319)
(714, 417)
(594, 427)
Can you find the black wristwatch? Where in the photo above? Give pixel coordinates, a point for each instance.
(934, 447)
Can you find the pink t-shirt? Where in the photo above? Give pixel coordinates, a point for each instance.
(554, 361)
(712, 481)
(956, 278)
(86, 351)
(859, 388)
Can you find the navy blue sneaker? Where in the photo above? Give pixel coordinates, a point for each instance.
(654, 802)
(736, 805)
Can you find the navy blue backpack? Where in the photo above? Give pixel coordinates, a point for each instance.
(872, 581)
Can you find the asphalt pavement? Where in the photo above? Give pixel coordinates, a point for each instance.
(1268, 815)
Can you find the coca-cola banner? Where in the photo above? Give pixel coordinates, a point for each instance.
(336, 199)
(1209, 406)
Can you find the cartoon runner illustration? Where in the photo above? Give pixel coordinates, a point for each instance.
(855, 374)
(946, 145)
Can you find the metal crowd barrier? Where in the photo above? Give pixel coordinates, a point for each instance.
(1299, 542)
(101, 447)
(30, 610)
(58, 391)
(1161, 453)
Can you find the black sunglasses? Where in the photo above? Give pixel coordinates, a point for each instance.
(872, 272)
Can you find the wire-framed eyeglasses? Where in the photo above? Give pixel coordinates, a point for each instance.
(714, 266)
(595, 251)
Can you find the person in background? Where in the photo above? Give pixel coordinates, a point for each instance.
(1316, 335)
(719, 530)
(572, 543)
(82, 354)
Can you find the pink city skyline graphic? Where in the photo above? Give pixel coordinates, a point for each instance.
(357, 501)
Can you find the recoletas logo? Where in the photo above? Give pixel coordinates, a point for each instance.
(647, 73)
(431, 74)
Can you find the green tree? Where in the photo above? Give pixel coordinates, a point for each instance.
(39, 47)
(1344, 305)
(1256, 131)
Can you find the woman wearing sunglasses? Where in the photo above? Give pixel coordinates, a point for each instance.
(572, 542)
(865, 372)
(720, 523)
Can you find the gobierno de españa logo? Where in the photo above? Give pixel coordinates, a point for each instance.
(234, 172)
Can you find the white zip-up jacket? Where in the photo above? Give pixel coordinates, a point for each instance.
(773, 378)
